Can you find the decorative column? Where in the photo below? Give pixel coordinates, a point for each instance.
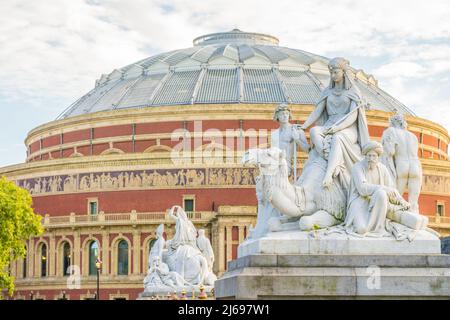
(136, 250)
(215, 236)
(221, 249)
(52, 255)
(77, 249)
(13, 267)
(105, 252)
(30, 258)
(241, 234)
(35, 257)
(229, 243)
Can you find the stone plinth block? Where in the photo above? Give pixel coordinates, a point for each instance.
(164, 295)
(295, 242)
(341, 276)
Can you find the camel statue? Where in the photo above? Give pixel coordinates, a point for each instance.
(304, 205)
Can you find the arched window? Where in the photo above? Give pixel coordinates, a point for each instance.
(150, 245)
(93, 255)
(66, 259)
(122, 258)
(43, 260)
(24, 266)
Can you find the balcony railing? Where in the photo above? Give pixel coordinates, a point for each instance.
(438, 221)
(132, 217)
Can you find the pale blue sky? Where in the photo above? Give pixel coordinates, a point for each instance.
(51, 52)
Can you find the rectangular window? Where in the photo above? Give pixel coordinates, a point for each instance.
(189, 205)
(440, 209)
(235, 233)
(234, 248)
(91, 140)
(92, 207)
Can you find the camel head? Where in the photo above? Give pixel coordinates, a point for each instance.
(268, 160)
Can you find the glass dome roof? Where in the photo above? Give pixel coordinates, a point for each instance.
(227, 67)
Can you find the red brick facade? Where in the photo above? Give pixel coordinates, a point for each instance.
(168, 128)
(76, 294)
(142, 200)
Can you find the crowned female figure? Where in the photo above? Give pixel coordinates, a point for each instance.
(340, 128)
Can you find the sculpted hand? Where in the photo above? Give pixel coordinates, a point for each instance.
(391, 192)
(330, 130)
(405, 204)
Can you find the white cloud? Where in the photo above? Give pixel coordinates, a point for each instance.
(401, 68)
(52, 51)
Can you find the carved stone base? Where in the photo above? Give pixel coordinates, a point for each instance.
(297, 242)
(162, 293)
(297, 276)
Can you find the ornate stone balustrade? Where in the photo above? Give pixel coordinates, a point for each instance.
(132, 217)
(438, 221)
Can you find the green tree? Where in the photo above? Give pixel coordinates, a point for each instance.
(18, 222)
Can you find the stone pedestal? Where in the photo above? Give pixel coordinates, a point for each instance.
(296, 242)
(164, 295)
(302, 265)
(326, 276)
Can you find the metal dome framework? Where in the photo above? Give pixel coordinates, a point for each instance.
(229, 67)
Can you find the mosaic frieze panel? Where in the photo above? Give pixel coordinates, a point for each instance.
(139, 179)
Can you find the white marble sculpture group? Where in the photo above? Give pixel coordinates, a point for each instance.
(349, 187)
(349, 184)
(182, 263)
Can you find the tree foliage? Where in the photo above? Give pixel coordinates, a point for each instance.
(18, 222)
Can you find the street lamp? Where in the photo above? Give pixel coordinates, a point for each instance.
(98, 265)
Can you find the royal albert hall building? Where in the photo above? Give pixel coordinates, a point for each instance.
(105, 172)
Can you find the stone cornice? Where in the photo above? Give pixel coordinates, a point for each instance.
(114, 162)
(206, 112)
(207, 135)
(163, 113)
(145, 161)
